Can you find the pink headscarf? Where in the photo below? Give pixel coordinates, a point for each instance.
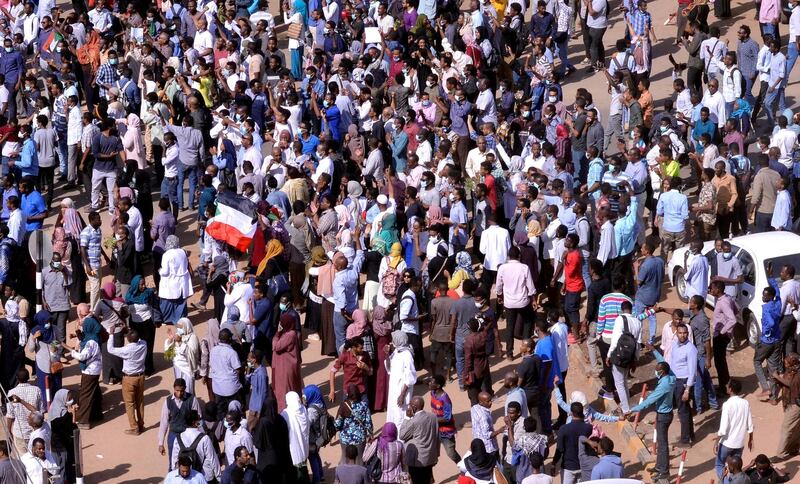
(133, 143)
(359, 325)
(434, 215)
(109, 290)
(70, 219)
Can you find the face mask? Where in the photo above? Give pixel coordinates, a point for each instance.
(283, 306)
(56, 265)
(250, 365)
(180, 331)
(427, 104)
(117, 237)
(227, 425)
(58, 49)
(478, 305)
(727, 255)
(459, 98)
(423, 184)
(243, 130)
(9, 49)
(308, 76)
(430, 83)
(113, 62)
(445, 129)
(396, 58)
(549, 216)
(502, 89)
(327, 31)
(526, 114)
(434, 240)
(47, 326)
(701, 143)
(664, 129)
(531, 240)
(552, 99)
(325, 104)
(658, 375)
(452, 198)
(226, 73)
(420, 138)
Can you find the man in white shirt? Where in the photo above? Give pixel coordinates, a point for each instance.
(74, 131)
(100, 17)
(712, 48)
(30, 25)
(171, 163)
(476, 156)
(495, 242)
(39, 463)
(785, 140)
(607, 249)
(715, 102)
(777, 70)
(735, 425)
(204, 41)
(16, 220)
(487, 109)
(133, 355)
(634, 327)
(134, 224)
(194, 436)
(732, 87)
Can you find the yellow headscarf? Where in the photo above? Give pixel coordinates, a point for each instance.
(534, 228)
(274, 248)
(395, 255)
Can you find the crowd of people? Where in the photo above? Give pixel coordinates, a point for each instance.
(421, 202)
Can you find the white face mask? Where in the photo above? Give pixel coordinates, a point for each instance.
(552, 99)
(452, 198)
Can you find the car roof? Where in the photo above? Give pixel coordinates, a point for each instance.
(767, 245)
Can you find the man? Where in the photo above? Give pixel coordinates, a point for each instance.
(696, 271)
(106, 147)
(441, 329)
(225, 368)
(672, 211)
(191, 151)
(769, 345)
(777, 71)
(701, 333)
(91, 252)
(624, 323)
(242, 467)
(258, 380)
(514, 425)
(660, 398)
(722, 326)
(782, 216)
(173, 416)
(570, 265)
(24, 399)
(235, 436)
(356, 365)
(761, 471)
(12, 471)
(530, 378)
(494, 244)
(515, 292)
(790, 298)
(511, 382)
(649, 273)
(45, 140)
(39, 463)
(56, 279)
(609, 308)
(567, 443)
(728, 270)
(727, 195)
(482, 427)
(735, 425)
(420, 432)
(184, 474)
(194, 438)
(764, 195)
(32, 204)
(74, 131)
(16, 221)
(12, 67)
(133, 355)
(345, 289)
(683, 361)
(461, 312)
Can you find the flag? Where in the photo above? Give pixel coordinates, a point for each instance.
(234, 222)
(51, 42)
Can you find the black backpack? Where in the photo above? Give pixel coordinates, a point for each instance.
(742, 82)
(625, 352)
(191, 452)
(327, 429)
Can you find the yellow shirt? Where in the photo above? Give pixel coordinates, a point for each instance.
(500, 7)
(205, 89)
(671, 169)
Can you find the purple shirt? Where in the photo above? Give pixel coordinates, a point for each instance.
(458, 116)
(163, 227)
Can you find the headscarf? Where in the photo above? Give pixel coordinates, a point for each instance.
(313, 396)
(91, 332)
(343, 216)
(71, 220)
(301, 8)
(356, 144)
(134, 296)
(434, 215)
(359, 325)
(388, 435)
(520, 238)
(212, 336)
(400, 341)
(744, 108)
(12, 311)
(133, 139)
(464, 262)
(480, 464)
(109, 291)
(395, 255)
(354, 189)
(273, 249)
(172, 242)
(580, 397)
(60, 242)
(296, 418)
(517, 163)
(287, 323)
(318, 257)
(40, 320)
(380, 326)
(58, 408)
(221, 265)
(562, 132)
(388, 231)
(191, 342)
(534, 228)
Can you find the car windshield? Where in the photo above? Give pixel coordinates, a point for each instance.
(772, 267)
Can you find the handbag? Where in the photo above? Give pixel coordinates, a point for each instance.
(277, 285)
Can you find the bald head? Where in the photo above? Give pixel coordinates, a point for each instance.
(484, 399)
(83, 310)
(418, 403)
(340, 262)
(510, 380)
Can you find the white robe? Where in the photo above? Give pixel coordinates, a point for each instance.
(176, 282)
(400, 367)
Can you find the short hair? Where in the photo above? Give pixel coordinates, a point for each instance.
(530, 424)
(515, 405)
(238, 452)
(536, 460)
(179, 383)
(192, 416)
(626, 306)
(607, 445)
(184, 461)
(576, 408)
(351, 452)
(736, 386)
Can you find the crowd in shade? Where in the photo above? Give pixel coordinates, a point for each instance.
(405, 193)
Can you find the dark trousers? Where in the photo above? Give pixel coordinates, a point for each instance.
(759, 104)
(694, 77)
(483, 384)
(720, 344)
(416, 344)
(420, 475)
(572, 307)
(788, 341)
(512, 315)
(448, 349)
(297, 275)
(608, 380)
(739, 223)
(546, 413)
(663, 421)
(762, 222)
(684, 410)
(488, 277)
(623, 267)
(724, 221)
(90, 399)
(46, 177)
(596, 50)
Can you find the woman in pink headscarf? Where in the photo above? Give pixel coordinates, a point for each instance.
(286, 361)
(109, 311)
(132, 141)
(360, 328)
(66, 238)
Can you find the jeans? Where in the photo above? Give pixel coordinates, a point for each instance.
(11, 112)
(546, 413)
(587, 279)
(792, 53)
(169, 189)
(762, 222)
(578, 160)
(770, 101)
(562, 39)
(62, 152)
(748, 90)
(788, 326)
(449, 444)
(722, 455)
(663, 421)
(613, 131)
(570, 477)
(572, 306)
(703, 383)
(315, 462)
(772, 354)
(189, 172)
(98, 178)
(339, 328)
(73, 154)
(620, 376)
(460, 361)
(638, 308)
(684, 411)
(596, 50)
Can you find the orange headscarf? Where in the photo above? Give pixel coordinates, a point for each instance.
(273, 249)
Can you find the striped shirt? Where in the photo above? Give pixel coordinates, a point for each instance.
(610, 308)
(443, 409)
(91, 239)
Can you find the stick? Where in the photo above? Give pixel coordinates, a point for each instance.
(680, 467)
(641, 399)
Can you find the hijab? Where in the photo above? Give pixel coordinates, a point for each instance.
(354, 190)
(191, 342)
(41, 323)
(744, 108)
(480, 464)
(60, 242)
(464, 262)
(313, 396)
(133, 143)
(273, 249)
(109, 291)
(343, 216)
(388, 231)
(388, 435)
(135, 296)
(356, 144)
(400, 341)
(172, 242)
(296, 418)
(534, 228)
(434, 215)
(221, 265)
(359, 325)
(520, 238)
(380, 325)
(395, 255)
(91, 332)
(318, 257)
(212, 336)
(59, 406)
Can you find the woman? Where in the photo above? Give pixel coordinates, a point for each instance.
(48, 364)
(414, 242)
(62, 425)
(360, 328)
(184, 349)
(386, 234)
(314, 301)
(90, 398)
(217, 282)
(379, 382)
(325, 290)
(402, 377)
(462, 272)
(354, 423)
(478, 464)
(132, 141)
(390, 451)
(123, 258)
(317, 417)
(271, 438)
(12, 354)
(66, 240)
(270, 265)
(110, 311)
(355, 146)
(286, 359)
(296, 418)
(297, 15)
(789, 443)
(140, 300)
(389, 275)
(175, 285)
(208, 343)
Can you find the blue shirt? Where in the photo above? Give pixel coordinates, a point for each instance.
(458, 215)
(546, 350)
(29, 160)
(8, 192)
(782, 214)
(701, 127)
(651, 275)
(684, 361)
(12, 65)
(661, 396)
(458, 116)
(638, 173)
(310, 144)
(595, 175)
(33, 204)
(625, 230)
(697, 277)
(673, 206)
(345, 285)
(771, 313)
(259, 388)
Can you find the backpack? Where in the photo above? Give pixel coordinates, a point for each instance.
(625, 352)
(327, 429)
(397, 323)
(622, 67)
(523, 36)
(742, 82)
(191, 452)
(123, 98)
(494, 58)
(390, 281)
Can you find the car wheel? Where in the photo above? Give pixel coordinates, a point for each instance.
(753, 329)
(679, 276)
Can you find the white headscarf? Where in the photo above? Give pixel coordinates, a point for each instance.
(297, 421)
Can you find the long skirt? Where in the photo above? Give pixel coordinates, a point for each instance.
(297, 63)
(371, 289)
(53, 383)
(313, 314)
(173, 309)
(90, 399)
(381, 386)
(327, 334)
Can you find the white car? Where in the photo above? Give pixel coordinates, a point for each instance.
(757, 253)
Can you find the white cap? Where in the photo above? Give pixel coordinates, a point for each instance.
(382, 199)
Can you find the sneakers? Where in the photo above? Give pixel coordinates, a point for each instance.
(313, 337)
